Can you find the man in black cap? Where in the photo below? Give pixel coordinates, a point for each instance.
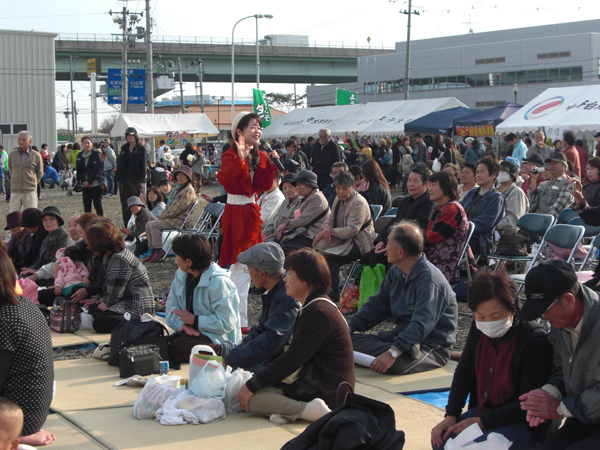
(553, 195)
(131, 170)
(573, 391)
(20, 239)
(265, 341)
(290, 166)
(309, 218)
(516, 203)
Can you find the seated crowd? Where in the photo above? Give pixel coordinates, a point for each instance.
(301, 348)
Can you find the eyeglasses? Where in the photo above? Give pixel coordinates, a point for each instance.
(247, 270)
(548, 309)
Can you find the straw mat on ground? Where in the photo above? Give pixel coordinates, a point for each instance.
(425, 381)
(68, 436)
(68, 339)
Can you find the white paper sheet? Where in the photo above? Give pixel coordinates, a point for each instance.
(362, 359)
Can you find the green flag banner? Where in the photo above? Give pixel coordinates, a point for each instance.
(345, 97)
(261, 107)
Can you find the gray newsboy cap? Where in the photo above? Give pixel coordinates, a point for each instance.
(265, 256)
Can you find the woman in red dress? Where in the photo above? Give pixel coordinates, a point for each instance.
(245, 173)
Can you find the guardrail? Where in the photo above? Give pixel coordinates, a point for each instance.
(220, 41)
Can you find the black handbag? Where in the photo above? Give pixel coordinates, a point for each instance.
(134, 332)
(139, 360)
(513, 243)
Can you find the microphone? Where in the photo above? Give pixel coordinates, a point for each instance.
(267, 148)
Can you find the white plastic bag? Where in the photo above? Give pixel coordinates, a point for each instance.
(151, 399)
(464, 441)
(235, 381)
(206, 410)
(86, 321)
(209, 381)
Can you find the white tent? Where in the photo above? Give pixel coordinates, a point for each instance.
(385, 118)
(303, 122)
(556, 110)
(155, 125)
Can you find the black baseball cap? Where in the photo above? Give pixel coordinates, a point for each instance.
(536, 159)
(557, 156)
(597, 134)
(543, 285)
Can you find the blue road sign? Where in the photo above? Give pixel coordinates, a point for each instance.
(137, 86)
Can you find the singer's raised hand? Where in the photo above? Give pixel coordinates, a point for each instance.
(242, 147)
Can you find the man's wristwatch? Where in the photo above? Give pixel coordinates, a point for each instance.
(395, 353)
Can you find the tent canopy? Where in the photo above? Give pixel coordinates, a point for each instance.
(492, 116)
(439, 122)
(304, 122)
(387, 118)
(155, 125)
(556, 110)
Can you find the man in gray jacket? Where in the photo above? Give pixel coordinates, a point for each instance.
(573, 391)
(110, 167)
(419, 300)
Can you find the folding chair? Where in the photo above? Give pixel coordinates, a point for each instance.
(391, 212)
(561, 235)
(396, 201)
(532, 223)
(584, 275)
(463, 256)
(376, 210)
(172, 230)
(566, 215)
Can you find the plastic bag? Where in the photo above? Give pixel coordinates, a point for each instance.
(151, 399)
(209, 381)
(235, 381)
(464, 440)
(86, 321)
(349, 299)
(206, 410)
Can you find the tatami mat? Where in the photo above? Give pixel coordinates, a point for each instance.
(118, 428)
(434, 379)
(88, 384)
(92, 336)
(68, 339)
(69, 437)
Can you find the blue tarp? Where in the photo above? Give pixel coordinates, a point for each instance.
(439, 122)
(492, 116)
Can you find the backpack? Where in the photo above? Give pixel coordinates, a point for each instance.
(359, 423)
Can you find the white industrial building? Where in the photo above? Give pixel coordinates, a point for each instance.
(482, 70)
(27, 87)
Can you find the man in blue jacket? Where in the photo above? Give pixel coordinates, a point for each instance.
(419, 300)
(266, 340)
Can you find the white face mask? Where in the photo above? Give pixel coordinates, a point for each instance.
(503, 177)
(495, 329)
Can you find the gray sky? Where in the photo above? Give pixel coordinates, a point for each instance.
(325, 21)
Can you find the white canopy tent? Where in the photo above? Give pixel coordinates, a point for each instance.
(303, 122)
(556, 110)
(155, 125)
(386, 118)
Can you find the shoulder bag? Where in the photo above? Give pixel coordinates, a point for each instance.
(288, 235)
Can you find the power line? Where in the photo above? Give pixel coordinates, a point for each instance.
(53, 15)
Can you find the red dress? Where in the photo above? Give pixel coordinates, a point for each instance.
(241, 223)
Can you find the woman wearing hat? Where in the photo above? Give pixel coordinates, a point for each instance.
(131, 170)
(57, 238)
(516, 203)
(142, 218)
(245, 173)
(90, 173)
(173, 216)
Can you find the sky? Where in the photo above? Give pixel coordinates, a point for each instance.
(334, 21)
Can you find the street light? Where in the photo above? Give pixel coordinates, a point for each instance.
(219, 100)
(256, 16)
(515, 90)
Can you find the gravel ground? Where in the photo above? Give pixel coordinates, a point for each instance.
(161, 274)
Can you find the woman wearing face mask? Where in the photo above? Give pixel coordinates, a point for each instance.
(516, 203)
(503, 358)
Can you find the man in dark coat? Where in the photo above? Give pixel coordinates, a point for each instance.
(325, 152)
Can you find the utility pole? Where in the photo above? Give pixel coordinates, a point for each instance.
(200, 77)
(76, 126)
(149, 62)
(72, 101)
(94, 103)
(124, 79)
(406, 83)
(181, 86)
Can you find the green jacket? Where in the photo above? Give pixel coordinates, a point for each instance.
(576, 374)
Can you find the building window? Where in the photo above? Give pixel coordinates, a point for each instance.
(490, 60)
(5, 128)
(18, 127)
(489, 104)
(554, 55)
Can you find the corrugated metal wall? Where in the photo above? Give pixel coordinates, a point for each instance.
(27, 85)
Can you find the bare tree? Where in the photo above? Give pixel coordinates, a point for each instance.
(107, 124)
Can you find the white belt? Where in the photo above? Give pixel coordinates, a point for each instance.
(234, 199)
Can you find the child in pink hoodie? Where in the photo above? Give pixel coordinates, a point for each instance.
(72, 273)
